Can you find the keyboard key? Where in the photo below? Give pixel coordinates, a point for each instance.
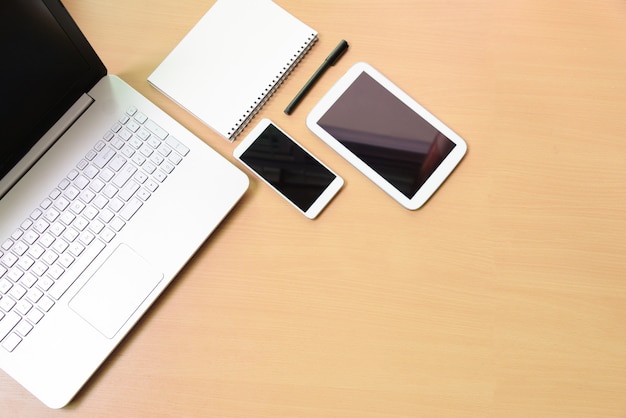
(51, 215)
(125, 134)
(153, 142)
(117, 143)
(11, 342)
(91, 171)
(26, 262)
(7, 244)
(36, 250)
(100, 202)
(124, 175)
(97, 185)
(143, 194)
(107, 234)
(80, 223)
(44, 283)
(72, 192)
(143, 134)
(61, 203)
(55, 272)
(39, 268)
(34, 295)
(128, 191)
(9, 260)
(5, 285)
(36, 214)
(131, 208)
(77, 207)
(24, 307)
(149, 167)
(141, 118)
(46, 303)
(66, 260)
(20, 248)
(156, 129)
(15, 275)
(7, 323)
(167, 167)
(28, 280)
(24, 328)
(175, 158)
(76, 249)
(17, 292)
(132, 126)
(104, 157)
(30, 237)
(106, 215)
(57, 229)
(86, 237)
(46, 240)
(160, 176)
(6, 303)
(34, 316)
(46, 203)
(117, 224)
(152, 185)
(50, 257)
(177, 145)
(164, 150)
(54, 194)
(41, 226)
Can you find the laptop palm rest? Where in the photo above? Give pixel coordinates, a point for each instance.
(115, 291)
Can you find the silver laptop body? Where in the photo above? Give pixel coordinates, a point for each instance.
(78, 268)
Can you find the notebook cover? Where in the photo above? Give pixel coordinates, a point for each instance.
(232, 60)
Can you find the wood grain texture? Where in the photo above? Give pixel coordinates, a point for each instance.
(505, 296)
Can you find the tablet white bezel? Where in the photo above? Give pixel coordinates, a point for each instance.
(437, 177)
(322, 200)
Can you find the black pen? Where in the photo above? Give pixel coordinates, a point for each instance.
(328, 62)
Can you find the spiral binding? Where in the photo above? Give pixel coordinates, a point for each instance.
(272, 87)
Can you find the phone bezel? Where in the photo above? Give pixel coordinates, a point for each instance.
(321, 201)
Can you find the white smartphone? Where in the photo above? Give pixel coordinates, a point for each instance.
(387, 135)
(283, 164)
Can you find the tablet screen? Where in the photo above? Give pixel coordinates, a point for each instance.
(386, 134)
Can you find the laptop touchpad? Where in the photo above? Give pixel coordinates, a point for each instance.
(115, 291)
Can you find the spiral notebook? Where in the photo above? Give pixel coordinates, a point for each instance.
(232, 60)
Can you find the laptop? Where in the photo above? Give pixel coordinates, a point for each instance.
(104, 198)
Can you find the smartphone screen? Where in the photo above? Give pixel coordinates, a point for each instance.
(290, 169)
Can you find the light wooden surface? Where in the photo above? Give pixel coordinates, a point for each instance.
(505, 296)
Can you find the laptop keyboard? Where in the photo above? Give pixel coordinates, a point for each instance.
(76, 221)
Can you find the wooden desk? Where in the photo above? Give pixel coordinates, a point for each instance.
(505, 296)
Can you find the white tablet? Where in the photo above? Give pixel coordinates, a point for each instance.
(387, 135)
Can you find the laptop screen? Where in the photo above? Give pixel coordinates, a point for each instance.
(46, 65)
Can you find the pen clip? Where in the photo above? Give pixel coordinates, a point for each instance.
(328, 62)
(338, 52)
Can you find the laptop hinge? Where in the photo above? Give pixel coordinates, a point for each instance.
(44, 144)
